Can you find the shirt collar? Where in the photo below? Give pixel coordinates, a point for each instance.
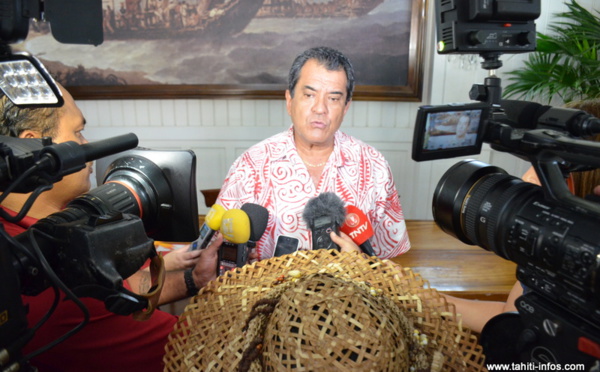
(340, 158)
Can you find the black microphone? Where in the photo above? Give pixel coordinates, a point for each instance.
(532, 115)
(69, 157)
(109, 146)
(38, 162)
(323, 214)
(259, 216)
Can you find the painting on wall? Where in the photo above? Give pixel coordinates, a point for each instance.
(237, 48)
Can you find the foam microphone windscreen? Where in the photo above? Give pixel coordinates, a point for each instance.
(235, 226)
(357, 225)
(214, 217)
(259, 216)
(325, 204)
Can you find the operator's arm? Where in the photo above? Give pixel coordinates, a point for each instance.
(475, 313)
(174, 287)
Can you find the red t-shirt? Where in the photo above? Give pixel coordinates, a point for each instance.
(108, 342)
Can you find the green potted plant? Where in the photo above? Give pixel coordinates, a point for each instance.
(565, 64)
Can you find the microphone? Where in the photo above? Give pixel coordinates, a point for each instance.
(532, 115)
(358, 227)
(212, 223)
(69, 157)
(40, 162)
(323, 214)
(259, 216)
(99, 149)
(235, 227)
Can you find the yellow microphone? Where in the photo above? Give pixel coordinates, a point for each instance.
(236, 229)
(235, 226)
(212, 223)
(214, 217)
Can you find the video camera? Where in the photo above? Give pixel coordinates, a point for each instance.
(546, 230)
(100, 238)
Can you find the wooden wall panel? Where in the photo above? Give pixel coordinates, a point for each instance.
(219, 130)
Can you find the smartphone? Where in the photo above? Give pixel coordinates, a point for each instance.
(286, 245)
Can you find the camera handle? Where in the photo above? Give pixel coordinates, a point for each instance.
(550, 152)
(549, 171)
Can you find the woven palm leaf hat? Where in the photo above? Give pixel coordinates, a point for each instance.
(321, 310)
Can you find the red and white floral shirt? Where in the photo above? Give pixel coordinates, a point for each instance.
(272, 174)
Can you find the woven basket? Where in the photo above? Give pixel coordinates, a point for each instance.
(343, 327)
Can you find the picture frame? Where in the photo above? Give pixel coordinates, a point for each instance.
(385, 45)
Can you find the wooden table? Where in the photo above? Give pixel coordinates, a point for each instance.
(456, 268)
(453, 267)
(449, 265)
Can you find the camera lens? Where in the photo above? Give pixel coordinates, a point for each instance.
(482, 205)
(473, 200)
(450, 196)
(144, 189)
(133, 185)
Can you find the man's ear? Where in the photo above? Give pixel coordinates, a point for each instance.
(30, 134)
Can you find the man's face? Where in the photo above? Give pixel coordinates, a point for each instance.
(319, 104)
(70, 128)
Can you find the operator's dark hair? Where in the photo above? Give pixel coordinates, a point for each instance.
(331, 59)
(14, 120)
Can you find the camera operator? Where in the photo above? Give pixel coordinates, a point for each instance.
(108, 342)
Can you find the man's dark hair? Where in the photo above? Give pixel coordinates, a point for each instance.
(14, 119)
(331, 59)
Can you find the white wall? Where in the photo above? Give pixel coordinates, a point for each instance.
(220, 130)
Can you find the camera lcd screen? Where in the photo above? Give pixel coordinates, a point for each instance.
(322, 221)
(229, 251)
(448, 131)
